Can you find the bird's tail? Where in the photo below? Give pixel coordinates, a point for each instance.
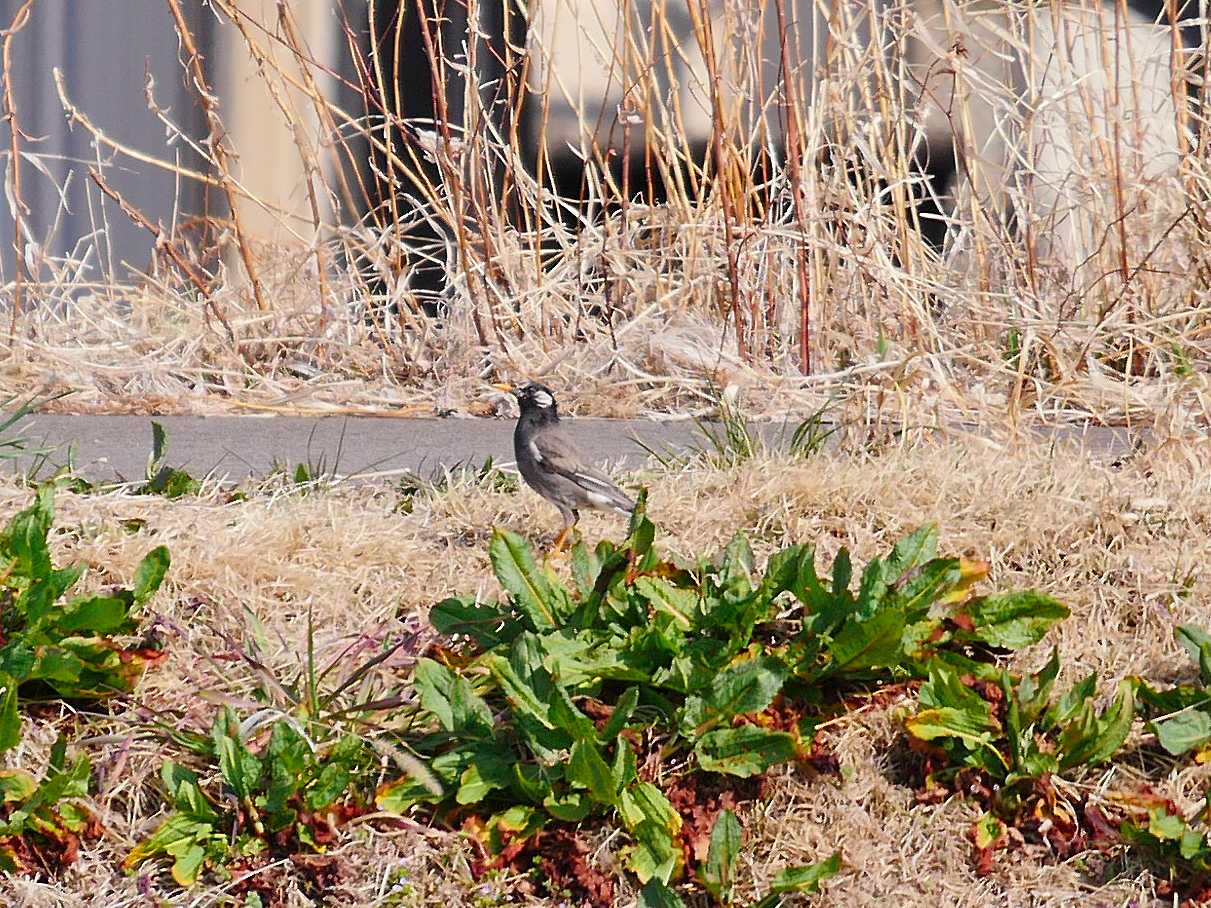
(617, 499)
(604, 487)
(622, 503)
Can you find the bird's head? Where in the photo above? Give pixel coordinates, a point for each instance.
(533, 399)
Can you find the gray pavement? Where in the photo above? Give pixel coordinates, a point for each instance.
(235, 447)
(104, 448)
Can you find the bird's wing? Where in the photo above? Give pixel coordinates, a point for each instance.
(557, 453)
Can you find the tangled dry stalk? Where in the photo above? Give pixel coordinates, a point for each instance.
(632, 308)
(1121, 544)
(751, 272)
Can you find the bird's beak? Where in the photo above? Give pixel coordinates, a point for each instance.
(508, 389)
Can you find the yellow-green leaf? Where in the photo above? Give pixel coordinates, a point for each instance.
(745, 751)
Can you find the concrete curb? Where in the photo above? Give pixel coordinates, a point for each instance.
(105, 448)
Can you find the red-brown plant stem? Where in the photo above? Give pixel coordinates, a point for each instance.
(707, 40)
(307, 155)
(218, 149)
(200, 283)
(1120, 207)
(794, 153)
(445, 163)
(20, 20)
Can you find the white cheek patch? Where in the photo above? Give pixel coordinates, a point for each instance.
(543, 399)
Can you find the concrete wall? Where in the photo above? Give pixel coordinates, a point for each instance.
(274, 135)
(105, 49)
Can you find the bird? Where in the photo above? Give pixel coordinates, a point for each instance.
(553, 466)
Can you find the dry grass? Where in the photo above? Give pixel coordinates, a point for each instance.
(654, 309)
(1095, 307)
(1123, 545)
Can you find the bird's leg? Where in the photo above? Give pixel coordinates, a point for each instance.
(568, 525)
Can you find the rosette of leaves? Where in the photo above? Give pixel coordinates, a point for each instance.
(287, 797)
(1159, 830)
(67, 645)
(717, 875)
(161, 478)
(557, 692)
(910, 609)
(1182, 714)
(1005, 741)
(43, 820)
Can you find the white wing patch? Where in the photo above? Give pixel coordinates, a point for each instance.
(602, 501)
(534, 450)
(584, 479)
(603, 493)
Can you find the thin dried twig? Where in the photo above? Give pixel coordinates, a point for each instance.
(216, 142)
(19, 21)
(746, 268)
(200, 283)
